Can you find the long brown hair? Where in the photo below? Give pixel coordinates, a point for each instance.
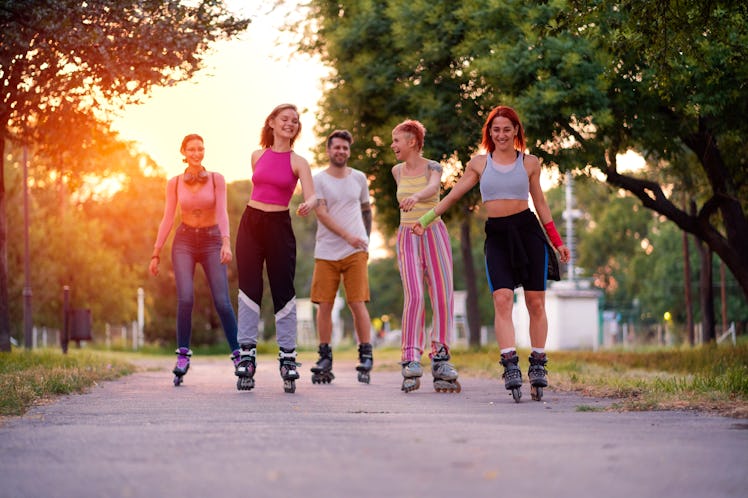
(511, 115)
(266, 136)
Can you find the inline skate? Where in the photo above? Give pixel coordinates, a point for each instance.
(246, 367)
(412, 373)
(365, 362)
(322, 372)
(537, 375)
(444, 373)
(183, 364)
(512, 374)
(288, 371)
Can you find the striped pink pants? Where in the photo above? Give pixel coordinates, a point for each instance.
(426, 259)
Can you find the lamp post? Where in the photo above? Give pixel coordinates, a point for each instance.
(27, 318)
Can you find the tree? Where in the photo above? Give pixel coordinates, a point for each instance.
(83, 57)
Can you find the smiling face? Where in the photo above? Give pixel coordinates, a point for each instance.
(503, 132)
(402, 144)
(285, 124)
(339, 151)
(194, 152)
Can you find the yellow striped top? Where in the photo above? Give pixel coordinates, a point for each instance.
(409, 185)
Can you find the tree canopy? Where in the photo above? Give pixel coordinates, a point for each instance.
(63, 63)
(591, 79)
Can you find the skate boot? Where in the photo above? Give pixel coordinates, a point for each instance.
(412, 373)
(512, 374)
(183, 364)
(246, 367)
(445, 375)
(537, 375)
(365, 362)
(322, 372)
(289, 374)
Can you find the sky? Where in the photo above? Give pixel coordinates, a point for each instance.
(227, 101)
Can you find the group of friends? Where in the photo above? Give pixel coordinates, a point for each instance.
(519, 249)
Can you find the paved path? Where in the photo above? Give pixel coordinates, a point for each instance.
(141, 437)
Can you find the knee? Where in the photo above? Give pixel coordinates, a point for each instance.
(503, 303)
(535, 307)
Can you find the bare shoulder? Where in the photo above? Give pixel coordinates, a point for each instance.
(298, 161)
(256, 155)
(532, 163)
(477, 163)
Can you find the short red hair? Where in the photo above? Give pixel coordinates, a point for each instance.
(511, 115)
(415, 129)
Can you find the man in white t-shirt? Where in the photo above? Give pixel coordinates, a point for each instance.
(341, 251)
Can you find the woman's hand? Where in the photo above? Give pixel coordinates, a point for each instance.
(418, 229)
(408, 203)
(226, 254)
(153, 266)
(304, 209)
(563, 253)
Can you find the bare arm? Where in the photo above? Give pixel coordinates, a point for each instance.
(302, 169)
(468, 180)
(532, 166)
(323, 216)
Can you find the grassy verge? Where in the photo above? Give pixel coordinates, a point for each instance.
(711, 378)
(28, 377)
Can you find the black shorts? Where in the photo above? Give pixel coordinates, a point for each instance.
(516, 252)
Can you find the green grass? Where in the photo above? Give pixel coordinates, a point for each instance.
(28, 377)
(710, 378)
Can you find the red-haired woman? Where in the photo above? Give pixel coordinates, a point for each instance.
(265, 238)
(516, 250)
(422, 259)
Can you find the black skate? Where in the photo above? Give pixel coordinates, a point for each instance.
(444, 373)
(365, 362)
(512, 374)
(288, 371)
(537, 375)
(412, 373)
(322, 372)
(183, 364)
(245, 369)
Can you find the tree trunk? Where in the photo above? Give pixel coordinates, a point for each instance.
(708, 334)
(4, 305)
(687, 286)
(466, 248)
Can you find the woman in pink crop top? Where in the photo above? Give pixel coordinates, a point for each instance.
(202, 237)
(516, 251)
(265, 238)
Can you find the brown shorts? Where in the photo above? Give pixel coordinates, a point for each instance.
(354, 271)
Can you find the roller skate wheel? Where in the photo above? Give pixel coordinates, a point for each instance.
(516, 394)
(447, 386)
(411, 384)
(536, 393)
(289, 386)
(177, 380)
(363, 377)
(245, 383)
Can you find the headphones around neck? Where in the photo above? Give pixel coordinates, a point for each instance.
(190, 178)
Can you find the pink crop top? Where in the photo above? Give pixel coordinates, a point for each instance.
(273, 180)
(211, 195)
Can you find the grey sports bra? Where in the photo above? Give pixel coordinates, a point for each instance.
(504, 182)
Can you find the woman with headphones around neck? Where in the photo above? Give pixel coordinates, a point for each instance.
(202, 237)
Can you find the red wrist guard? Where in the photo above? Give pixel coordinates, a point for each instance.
(550, 229)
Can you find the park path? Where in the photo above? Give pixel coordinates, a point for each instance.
(141, 437)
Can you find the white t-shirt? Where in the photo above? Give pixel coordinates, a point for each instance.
(343, 197)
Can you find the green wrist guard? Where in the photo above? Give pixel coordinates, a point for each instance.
(427, 218)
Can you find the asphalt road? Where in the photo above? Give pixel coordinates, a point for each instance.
(142, 437)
